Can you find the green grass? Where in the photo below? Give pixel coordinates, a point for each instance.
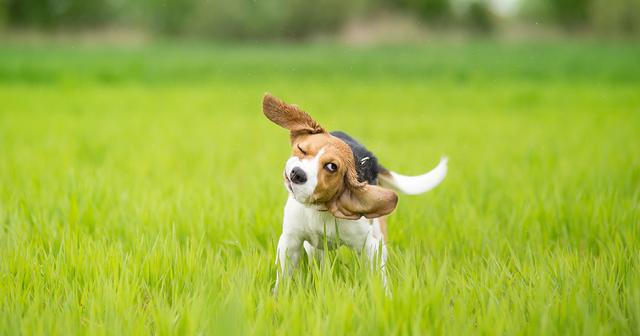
(141, 192)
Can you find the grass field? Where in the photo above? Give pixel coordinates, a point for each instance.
(141, 189)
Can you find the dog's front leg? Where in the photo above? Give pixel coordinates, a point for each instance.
(287, 256)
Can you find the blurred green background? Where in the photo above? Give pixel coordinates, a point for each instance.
(300, 19)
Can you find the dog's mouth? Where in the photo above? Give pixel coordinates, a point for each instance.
(287, 182)
(289, 185)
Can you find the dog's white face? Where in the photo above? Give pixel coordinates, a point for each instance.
(301, 177)
(316, 171)
(321, 171)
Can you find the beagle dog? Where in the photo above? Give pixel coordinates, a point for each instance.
(338, 192)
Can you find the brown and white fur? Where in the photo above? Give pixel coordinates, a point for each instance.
(326, 199)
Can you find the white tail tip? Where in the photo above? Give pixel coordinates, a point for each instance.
(413, 185)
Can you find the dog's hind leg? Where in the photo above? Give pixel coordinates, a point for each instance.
(382, 223)
(313, 253)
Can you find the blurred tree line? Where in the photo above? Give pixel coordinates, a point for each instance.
(601, 16)
(299, 19)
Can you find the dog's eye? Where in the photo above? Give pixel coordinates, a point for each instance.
(331, 167)
(301, 150)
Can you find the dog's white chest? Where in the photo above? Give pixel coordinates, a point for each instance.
(312, 225)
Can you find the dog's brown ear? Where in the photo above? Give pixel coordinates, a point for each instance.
(361, 199)
(369, 201)
(289, 116)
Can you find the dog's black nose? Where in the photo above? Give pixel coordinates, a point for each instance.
(298, 176)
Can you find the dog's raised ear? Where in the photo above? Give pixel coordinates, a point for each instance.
(289, 116)
(361, 199)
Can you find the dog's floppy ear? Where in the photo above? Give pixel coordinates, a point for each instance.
(361, 199)
(289, 116)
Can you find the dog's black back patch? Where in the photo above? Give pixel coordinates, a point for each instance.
(367, 166)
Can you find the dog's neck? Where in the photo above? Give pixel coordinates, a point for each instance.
(311, 206)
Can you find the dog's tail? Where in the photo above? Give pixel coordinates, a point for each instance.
(413, 185)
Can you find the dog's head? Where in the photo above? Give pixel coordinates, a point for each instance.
(321, 170)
